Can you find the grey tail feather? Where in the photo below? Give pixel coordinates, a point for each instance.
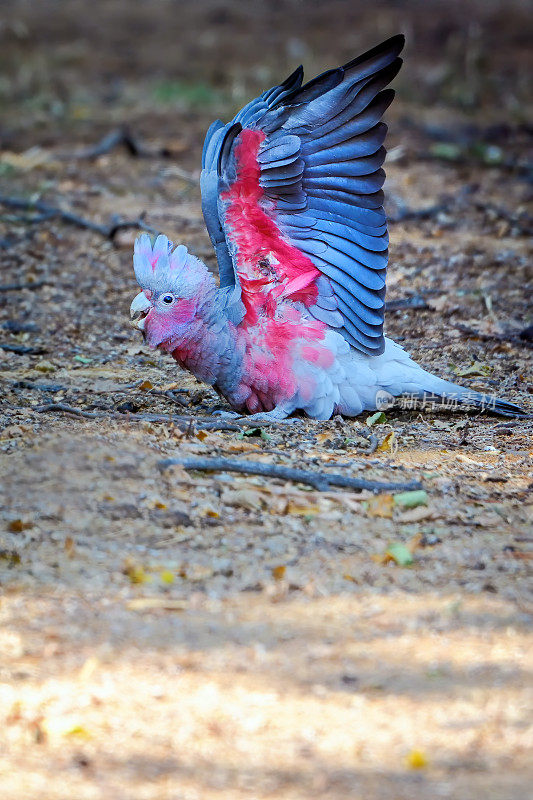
(453, 395)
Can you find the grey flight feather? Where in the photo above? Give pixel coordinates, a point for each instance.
(321, 163)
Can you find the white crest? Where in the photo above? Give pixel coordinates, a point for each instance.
(157, 265)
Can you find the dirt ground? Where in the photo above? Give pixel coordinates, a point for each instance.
(178, 635)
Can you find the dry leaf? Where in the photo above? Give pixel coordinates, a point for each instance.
(28, 160)
(68, 546)
(278, 573)
(416, 514)
(398, 552)
(155, 603)
(243, 498)
(438, 303)
(197, 573)
(414, 543)
(44, 366)
(242, 447)
(487, 519)
(416, 759)
(348, 577)
(88, 668)
(466, 460)
(476, 368)
(19, 525)
(380, 506)
(389, 442)
(136, 572)
(167, 577)
(64, 726)
(302, 509)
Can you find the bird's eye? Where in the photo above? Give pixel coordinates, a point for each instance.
(168, 299)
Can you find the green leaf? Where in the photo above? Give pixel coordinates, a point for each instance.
(488, 153)
(400, 553)
(83, 359)
(258, 432)
(448, 151)
(419, 497)
(476, 368)
(376, 418)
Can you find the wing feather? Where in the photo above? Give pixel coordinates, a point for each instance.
(311, 193)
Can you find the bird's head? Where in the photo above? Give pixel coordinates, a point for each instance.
(175, 286)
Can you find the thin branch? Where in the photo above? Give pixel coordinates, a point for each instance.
(22, 349)
(42, 387)
(17, 287)
(415, 302)
(185, 424)
(107, 231)
(203, 423)
(522, 222)
(179, 401)
(120, 136)
(319, 480)
(372, 443)
(512, 336)
(14, 326)
(65, 409)
(405, 213)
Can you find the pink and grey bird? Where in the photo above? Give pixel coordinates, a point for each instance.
(293, 202)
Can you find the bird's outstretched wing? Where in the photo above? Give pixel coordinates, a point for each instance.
(292, 198)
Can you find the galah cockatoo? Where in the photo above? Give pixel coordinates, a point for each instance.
(292, 199)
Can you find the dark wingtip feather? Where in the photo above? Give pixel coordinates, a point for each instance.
(486, 403)
(315, 87)
(394, 45)
(225, 147)
(505, 409)
(295, 78)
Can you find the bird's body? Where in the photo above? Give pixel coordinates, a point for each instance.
(291, 195)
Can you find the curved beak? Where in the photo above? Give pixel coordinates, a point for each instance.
(139, 309)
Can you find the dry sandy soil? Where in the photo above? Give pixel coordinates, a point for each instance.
(172, 635)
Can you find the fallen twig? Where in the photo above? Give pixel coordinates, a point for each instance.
(407, 213)
(184, 423)
(372, 443)
(507, 425)
(319, 480)
(60, 387)
(522, 222)
(22, 349)
(17, 287)
(107, 231)
(120, 136)
(179, 401)
(407, 303)
(511, 336)
(14, 326)
(42, 387)
(78, 412)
